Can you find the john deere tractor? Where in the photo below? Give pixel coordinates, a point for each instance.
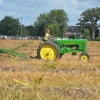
(55, 49)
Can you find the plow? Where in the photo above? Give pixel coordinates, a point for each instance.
(52, 50)
(13, 52)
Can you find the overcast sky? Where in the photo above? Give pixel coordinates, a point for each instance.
(29, 10)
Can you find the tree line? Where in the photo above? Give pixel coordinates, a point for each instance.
(90, 19)
(56, 21)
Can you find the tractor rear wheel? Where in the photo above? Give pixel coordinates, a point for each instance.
(48, 50)
(84, 56)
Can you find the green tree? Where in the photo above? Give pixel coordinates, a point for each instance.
(86, 33)
(31, 30)
(54, 29)
(25, 31)
(61, 18)
(9, 26)
(40, 24)
(89, 19)
(56, 20)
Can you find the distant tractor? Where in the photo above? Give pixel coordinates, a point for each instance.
(55, 49)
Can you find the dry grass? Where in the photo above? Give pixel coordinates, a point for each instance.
(67, 78)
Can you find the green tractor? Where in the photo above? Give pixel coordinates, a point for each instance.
(55, 49)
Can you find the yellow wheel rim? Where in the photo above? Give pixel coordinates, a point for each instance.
(84, 58)
(48, 52)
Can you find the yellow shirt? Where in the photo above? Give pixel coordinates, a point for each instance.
(46, 36)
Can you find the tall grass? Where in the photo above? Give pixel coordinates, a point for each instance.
(67, 78)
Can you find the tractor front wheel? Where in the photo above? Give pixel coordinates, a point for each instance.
(84, 56)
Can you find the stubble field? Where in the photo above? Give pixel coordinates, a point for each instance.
(67, 78)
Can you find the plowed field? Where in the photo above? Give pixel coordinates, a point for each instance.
(67, 78)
